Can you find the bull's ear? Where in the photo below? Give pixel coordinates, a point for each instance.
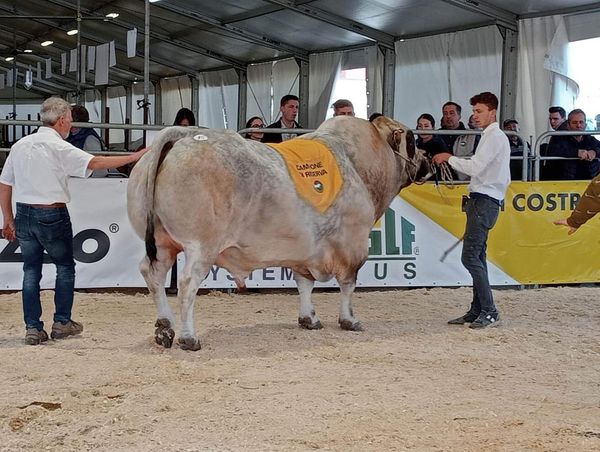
(395, 140)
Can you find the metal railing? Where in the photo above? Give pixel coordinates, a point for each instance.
(525, 158)
(537, 158)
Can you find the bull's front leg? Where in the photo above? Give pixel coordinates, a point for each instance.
(346, 318)
(307, 317)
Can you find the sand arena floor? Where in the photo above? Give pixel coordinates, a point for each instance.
(408, 382)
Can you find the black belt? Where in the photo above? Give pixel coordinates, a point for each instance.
(55, 205)
(476, 195)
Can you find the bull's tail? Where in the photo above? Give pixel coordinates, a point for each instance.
(164, 141)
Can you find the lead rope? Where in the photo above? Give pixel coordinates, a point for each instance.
(446, 179)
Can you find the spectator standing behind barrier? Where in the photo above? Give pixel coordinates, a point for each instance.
(431, 144)
(288, 107)
(516, 148)
(584, 147)
(36, 176)
(490, 177)
(465, 146)
(451, 112)
(343, 107)
(587, 207)
(86, 138)
(255, 122)
(184, 117)
(557, 118)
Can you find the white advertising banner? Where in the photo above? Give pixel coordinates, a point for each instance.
(107, 252)
(405, 249)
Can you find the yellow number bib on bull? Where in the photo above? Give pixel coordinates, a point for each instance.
(313, 169)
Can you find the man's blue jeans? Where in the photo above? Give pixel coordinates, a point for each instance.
(42, 229)
(482, 213)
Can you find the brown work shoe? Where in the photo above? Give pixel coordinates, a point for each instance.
(33, 336)
(62, 330)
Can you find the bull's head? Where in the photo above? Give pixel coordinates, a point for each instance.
(413, 161)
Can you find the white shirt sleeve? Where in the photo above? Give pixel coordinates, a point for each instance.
(8, 173)
(75, 161)
(484, 156)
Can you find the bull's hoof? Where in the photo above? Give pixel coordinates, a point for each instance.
(164, 334)
(349, 325)
(189, 343)
(308, 324)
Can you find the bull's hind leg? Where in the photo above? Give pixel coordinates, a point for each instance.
(155, 276)
(346, 318)
(307, 318)
(197, 266)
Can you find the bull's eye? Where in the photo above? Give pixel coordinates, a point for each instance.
(318, 186)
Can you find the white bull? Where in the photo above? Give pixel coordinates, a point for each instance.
(228, 201)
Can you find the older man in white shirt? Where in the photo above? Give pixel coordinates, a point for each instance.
(36, 176)
(489, 169)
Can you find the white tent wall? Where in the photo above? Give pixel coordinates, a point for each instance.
(451, 66)
(259, 95)
(324, 69)
(267, 84)
(176, 93)
(285, 81)
(218, 99)
(543, 77)
(541, 39)
(374, 64)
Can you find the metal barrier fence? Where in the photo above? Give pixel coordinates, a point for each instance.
(530, 159)
(538, 158)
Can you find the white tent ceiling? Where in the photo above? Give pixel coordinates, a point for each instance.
(188, 37)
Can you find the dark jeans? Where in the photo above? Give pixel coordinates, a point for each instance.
(482, 213)
(42, 229)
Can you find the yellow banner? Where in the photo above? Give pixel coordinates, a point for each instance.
(524, 243)
(314, 170)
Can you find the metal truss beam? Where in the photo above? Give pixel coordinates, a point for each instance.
(384, 39)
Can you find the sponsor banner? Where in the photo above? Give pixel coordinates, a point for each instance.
(405, 246)
(106, 250)
(524, 244)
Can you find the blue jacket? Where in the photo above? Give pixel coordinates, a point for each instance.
(78, 139)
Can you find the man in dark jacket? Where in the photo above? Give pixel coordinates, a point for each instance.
(289, 110)
(584, 148)
(451, 112)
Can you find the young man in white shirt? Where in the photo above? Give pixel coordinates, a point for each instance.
(36, 176)
(489, 169)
